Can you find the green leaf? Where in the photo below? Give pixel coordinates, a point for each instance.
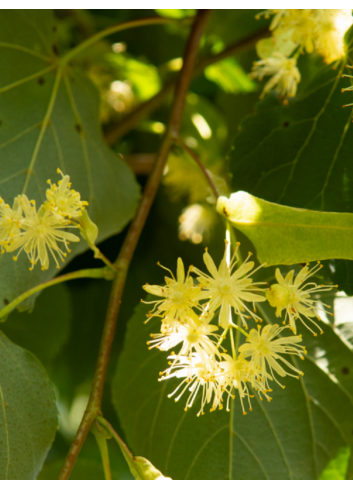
(230, 76)
(176, 13)
(337, 468)
(44, 330)
(292, 437)
(285, 235)
(49, 119)
(299, 154)
(290, 159)
(143, 77)
(28, 419)
(232, 25)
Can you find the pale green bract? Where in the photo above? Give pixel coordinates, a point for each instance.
(286, 235)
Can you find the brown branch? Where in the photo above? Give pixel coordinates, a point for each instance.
(115, 132)
(123, 261)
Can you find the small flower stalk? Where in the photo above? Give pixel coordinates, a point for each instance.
(44, 233)
(199, 313)
(350, 87)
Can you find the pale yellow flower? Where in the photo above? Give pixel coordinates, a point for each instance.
(284, 71)
(235, 373)
(321, 30)
(266, 352)
(331, 25)
(10, 221)
(226, 288)
(41, 232)
(194, 334)
(295, 298)
(278, 15)
(179, 295)
(63, 200)
(198, 373)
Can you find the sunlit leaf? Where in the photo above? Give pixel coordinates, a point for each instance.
(230, 76)
(142, 77)
(288, 235)
(176, 13)
(336, 469)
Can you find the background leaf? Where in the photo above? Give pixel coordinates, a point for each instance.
(44, 330)
(300, 154)
(31, 151)
(28, 419)
(293, 437)
(337, 468)
(230, 76)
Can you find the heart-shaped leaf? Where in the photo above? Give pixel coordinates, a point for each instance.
(49, 120)
(292, 437)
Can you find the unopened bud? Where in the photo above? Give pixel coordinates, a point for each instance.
(88, 229)
(277, 295)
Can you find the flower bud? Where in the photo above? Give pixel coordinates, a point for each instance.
(88, 228)
(278, 296)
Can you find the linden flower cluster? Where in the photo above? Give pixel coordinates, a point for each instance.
(295, 31)
(187, 309)
(40, 232)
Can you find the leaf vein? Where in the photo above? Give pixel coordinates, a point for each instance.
(202, 449)
(26, 80)
(290, 473)
(24, 49)
(311, 133)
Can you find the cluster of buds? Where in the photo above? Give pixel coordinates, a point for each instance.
(187, 309)
(23, 228)
(295, 31)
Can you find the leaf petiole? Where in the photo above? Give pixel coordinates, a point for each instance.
(101, 438)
